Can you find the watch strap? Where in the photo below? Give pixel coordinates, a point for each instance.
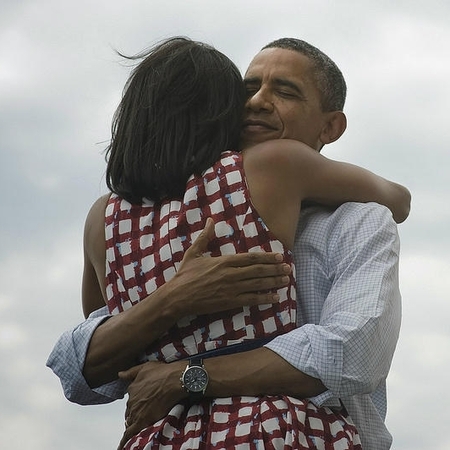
(195, 397)
(196, 361)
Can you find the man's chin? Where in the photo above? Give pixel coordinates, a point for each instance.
(249, 140)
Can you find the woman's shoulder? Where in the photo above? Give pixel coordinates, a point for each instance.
(279, 145)
(279, 153)
(98, 208)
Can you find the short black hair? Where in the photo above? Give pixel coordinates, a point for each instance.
(181, 108)
(329, 78)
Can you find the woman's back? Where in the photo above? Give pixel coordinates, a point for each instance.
(145, 244)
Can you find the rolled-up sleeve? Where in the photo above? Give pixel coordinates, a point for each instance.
(350, 340)
(67, 361)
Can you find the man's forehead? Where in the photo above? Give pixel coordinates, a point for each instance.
(281, 64)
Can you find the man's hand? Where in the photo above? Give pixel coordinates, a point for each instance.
(214, 284)
(155, 388)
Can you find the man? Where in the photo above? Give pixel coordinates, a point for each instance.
(347, 272)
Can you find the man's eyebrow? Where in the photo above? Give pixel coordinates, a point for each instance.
(287, 83)
(252, 80)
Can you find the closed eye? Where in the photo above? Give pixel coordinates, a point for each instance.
(287, 94)
(287, 89)
(250, 91)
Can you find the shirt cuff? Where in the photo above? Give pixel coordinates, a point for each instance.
(298, 349)
(67, 361)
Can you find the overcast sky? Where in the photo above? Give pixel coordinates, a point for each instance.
(60, 82)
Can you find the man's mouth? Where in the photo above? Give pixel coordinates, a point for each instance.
(257, 125)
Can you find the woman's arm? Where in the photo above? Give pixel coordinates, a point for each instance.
(332, 183)
(92, 291)
(283, 173)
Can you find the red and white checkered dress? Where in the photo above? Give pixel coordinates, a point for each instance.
(144, 247)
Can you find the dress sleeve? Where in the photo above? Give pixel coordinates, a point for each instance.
(67, 361)
(350, 349)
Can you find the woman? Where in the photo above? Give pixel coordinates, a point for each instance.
(171, 165)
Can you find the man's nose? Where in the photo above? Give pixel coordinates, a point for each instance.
(260, 101)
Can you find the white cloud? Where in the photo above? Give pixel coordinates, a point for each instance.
(420, 370)
(12, 335)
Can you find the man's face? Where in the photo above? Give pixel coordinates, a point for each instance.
(282, 99)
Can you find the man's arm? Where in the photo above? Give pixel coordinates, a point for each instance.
(351, 346)
(202, 285)
(155, 387)
(67, 360)
(91, 355)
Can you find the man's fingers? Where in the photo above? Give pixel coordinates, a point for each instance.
(130, 431)
(260, 291)
(130, 374)
(253, 258)
(200, 245)
(258, 272)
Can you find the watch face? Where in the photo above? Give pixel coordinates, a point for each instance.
(195, 379)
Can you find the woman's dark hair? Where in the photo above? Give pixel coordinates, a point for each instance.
(181, 107)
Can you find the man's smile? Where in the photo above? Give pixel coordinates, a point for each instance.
(257, 125)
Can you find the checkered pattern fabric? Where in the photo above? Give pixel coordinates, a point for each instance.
(250, 423)
(145, 245)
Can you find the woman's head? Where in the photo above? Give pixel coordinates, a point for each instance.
(182, 106)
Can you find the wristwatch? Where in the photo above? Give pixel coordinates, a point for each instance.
(195, 379)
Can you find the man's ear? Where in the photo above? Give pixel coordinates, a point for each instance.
(334, 127)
